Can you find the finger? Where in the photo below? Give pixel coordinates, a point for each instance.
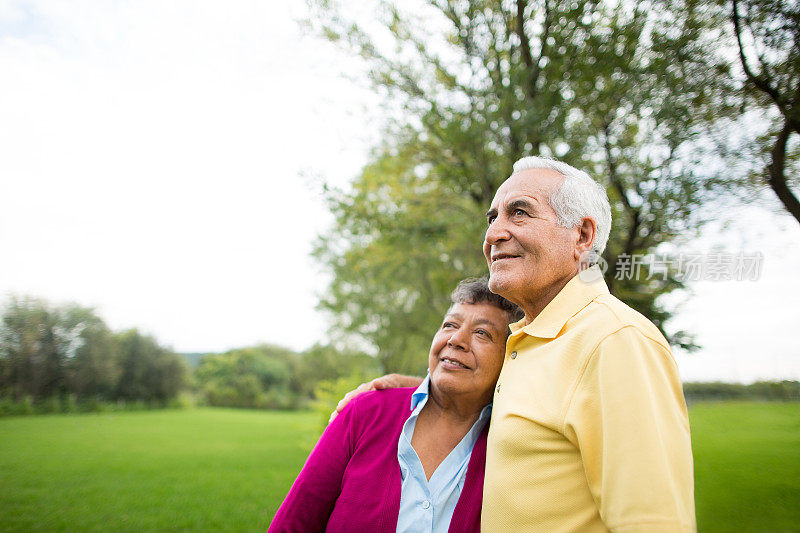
(388, 381)
(344, 401)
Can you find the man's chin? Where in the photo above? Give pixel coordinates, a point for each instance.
(499, 284)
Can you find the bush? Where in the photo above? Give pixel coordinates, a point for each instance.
(329, 392)
(69, 404)
(9, 407)
(48, 405)
(784, 391)
(184, 400)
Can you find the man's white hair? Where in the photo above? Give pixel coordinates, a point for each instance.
(578, 196)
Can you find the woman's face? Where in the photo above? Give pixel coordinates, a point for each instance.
(468, 350)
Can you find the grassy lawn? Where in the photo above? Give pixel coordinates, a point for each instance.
(747, 466)
(195, 470)
(218, 469)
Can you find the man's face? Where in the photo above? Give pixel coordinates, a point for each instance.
(528, 253)
(468, 349)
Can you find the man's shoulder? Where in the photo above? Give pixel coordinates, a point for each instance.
(606, 315)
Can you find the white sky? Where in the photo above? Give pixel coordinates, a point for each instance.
(748, 329)
(152, 157)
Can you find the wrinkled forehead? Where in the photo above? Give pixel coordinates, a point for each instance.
(536, 183)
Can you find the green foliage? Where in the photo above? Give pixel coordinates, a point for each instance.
(784, 391)
(271, 377)
(330, 391)
(400, 246)
(69, 405)
(324, 363)
(148, 371)
(36, 343)
(471, 87)
(93, 369)
(257, 377)
(9, 407)
(65, 359)
(61, 357)
(744, 54)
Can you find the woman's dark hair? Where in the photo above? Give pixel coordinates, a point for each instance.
(476, 291)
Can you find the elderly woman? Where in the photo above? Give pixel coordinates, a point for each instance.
(412, 460)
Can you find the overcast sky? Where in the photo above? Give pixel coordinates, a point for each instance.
(158, 161)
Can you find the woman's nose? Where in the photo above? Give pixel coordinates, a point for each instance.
(458, 339)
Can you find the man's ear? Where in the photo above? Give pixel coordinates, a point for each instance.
(587, 231)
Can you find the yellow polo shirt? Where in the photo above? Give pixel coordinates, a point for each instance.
(589, 426)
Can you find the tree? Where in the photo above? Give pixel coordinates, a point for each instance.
(574, 80)
(42, 346)
(51, 352)
(93, 369)
(254, 377)
(749, 51)
(771, 65)
(327, 363)
(25, 324)
(148, 371)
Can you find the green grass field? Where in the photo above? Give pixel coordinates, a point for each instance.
(747, 466)
(194, 470)
(228, 470)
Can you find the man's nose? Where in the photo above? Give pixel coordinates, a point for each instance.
(496, 232)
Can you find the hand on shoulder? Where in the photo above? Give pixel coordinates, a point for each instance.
(389, 381)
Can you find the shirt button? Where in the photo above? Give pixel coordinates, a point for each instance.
(513, 355)
(498, 388)
(426, 504)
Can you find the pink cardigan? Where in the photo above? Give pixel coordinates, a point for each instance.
(351, 480)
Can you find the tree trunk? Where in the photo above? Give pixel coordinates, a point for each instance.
(776, 177)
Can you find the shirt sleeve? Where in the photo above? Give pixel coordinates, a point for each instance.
(629, 420)
(311, 499)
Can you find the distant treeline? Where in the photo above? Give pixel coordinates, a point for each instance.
(271, 377)
(783, 391)
(276, 378)
(63, 358)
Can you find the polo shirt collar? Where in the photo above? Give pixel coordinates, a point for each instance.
(576, 294)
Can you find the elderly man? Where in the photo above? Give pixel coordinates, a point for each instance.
(589, 426)
(589, 429)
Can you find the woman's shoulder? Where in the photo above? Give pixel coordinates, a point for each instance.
(379, 403)
(385, 397)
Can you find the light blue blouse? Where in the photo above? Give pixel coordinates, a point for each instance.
(429, 505)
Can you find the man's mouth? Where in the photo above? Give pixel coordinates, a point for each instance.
(453, 363)
(501, 256)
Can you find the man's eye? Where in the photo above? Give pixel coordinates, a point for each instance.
(448, 325)
(518, 213)
(483, 333)
(490, 219)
